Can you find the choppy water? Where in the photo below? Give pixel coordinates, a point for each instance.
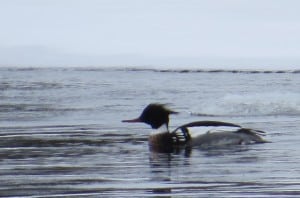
(61, 135)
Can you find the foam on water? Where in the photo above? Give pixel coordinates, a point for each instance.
(253, 104)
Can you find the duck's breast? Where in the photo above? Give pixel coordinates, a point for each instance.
(162, 142)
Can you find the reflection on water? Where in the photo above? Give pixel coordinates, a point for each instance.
(177, 171)
(81, 160)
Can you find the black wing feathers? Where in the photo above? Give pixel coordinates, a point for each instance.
(208, 123)
(181, 136)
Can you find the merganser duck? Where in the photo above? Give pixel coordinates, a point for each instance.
(157, 116)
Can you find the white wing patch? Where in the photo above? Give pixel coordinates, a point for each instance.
(196, 131)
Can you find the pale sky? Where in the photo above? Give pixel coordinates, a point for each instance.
(170, 33)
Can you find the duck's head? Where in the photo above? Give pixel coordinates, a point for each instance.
(155, 115)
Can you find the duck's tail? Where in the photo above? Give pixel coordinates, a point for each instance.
(254, 134)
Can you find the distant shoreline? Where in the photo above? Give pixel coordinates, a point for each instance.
(154, 69)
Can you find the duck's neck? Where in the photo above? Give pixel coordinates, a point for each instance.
(162, 129)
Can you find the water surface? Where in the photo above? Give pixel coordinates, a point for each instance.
(61, 134)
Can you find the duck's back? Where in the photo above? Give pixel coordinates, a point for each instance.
(220, 134)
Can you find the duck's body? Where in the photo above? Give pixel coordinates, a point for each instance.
(162, 139)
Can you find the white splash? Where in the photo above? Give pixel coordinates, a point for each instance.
(253, 104)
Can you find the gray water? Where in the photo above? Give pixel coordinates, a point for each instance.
(61, 133)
